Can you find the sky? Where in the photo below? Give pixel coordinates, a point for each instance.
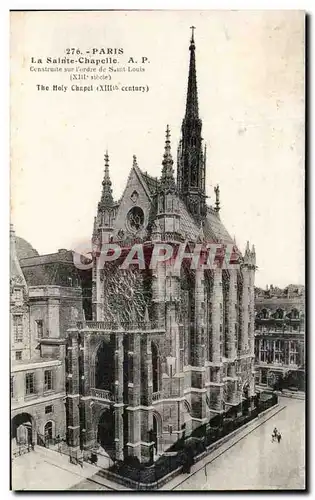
(250, 74)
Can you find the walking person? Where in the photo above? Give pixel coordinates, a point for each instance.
(274, 434)
(279, 437)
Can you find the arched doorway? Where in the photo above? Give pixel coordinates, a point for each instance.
(104, 366)
(106, 431)
(49, 432)
(156, 433)
(155, 430)
(22, 430)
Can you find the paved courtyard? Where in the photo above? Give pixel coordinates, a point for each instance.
(257, 463)
(44, 469)
(252, 463)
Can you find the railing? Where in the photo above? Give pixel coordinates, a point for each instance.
(193, 448)
(120, 326)
(275, 331)
(156, 396)
(21, 450)
(102, 394)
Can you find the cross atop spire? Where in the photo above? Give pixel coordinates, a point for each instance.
(167, 177)
(192, 95)
(192, 34)
(107, 193)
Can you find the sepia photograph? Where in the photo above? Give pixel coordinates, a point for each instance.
(157, 250)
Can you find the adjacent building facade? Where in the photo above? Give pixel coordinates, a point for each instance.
(280, 337)
(45, 297)
(167, 349)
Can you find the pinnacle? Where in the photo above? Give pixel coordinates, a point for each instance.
(107, 193)
(167, 177)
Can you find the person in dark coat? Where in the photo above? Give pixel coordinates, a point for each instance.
(274, 434)
(279, 437)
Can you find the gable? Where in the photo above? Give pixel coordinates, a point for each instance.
(136, 197)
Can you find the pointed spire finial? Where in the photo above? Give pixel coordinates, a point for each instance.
(167, 177)
(106, 160)
(192, 40)
(107, 193)
(134, 161)
(253, 255)
(192, 96)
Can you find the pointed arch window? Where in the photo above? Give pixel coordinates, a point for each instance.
(155, 367)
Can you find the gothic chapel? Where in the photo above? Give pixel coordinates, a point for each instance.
(167, 350)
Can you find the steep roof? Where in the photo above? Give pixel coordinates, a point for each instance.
(16, 275)
(52, 269)
(188, 226)
(214, 229)
(151, 182)
(24, 249)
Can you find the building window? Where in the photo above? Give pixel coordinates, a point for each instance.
(263, 376)
(295, 314)
(48, 380)
(279, 351)
(18, 355)
(29, 384)
(48, 409)
(17, 295)
(266, 352)
(18, 328)
(48, 431)
(39, 328)
(279, 314)
(12, 386)
(293, 353)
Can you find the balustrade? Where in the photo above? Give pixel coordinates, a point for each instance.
(102, 394)
(113, 326)
(156, 396)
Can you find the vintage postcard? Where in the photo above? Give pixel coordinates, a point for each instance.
(157, 294)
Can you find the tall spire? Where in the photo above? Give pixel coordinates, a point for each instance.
(191, 167)
(167, 177)
(192, 93)
(107, 192)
